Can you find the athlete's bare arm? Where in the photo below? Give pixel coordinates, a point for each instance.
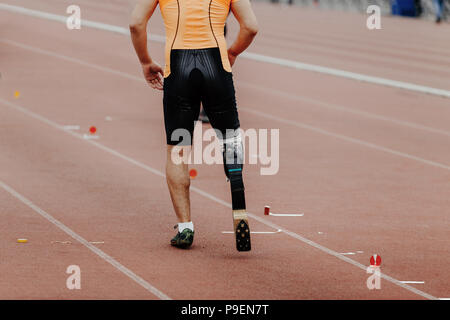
(138, 28)
(243, 12)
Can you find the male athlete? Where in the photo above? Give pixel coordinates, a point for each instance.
(198, 69)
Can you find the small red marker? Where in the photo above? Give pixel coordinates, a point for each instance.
(192, 173)
(266, 210)
(92, 130)
(375, 260)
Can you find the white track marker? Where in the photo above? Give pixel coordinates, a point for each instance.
(319, 232)
(71, 127)
(130, 274)
(69, 242)
(108, 118)
(286, 214)
(413, 282)
(351, 253)
(443, 298)
(255, 232)
(248, 55)
(268, 213)
(90, 137)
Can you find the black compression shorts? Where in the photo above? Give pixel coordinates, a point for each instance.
(197, 76)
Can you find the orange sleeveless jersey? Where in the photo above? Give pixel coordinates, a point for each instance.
(195, 24)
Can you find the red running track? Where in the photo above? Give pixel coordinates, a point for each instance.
(368, 165)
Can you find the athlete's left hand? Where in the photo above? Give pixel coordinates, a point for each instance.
(231, 58)
(154, 75)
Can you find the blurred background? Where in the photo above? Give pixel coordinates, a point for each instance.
(411, 8)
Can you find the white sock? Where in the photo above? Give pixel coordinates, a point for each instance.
(185, 225)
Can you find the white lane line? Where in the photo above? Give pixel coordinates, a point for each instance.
(346, 138)
(249, 55)
(347, 74)
(84, 22)
(413, 282)
(220, 201)
(444, 298)
(259, 113)
(384, 57)
(130, 274)
(327, 105)
(299, 98)
(255, 232)
(70, 59)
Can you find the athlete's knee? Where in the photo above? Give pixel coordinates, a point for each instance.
(178, 181)
(176, 167)
(178, 176)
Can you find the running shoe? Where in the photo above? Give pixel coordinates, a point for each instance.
(183, 239)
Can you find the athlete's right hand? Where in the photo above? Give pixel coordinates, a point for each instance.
(154, 75)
